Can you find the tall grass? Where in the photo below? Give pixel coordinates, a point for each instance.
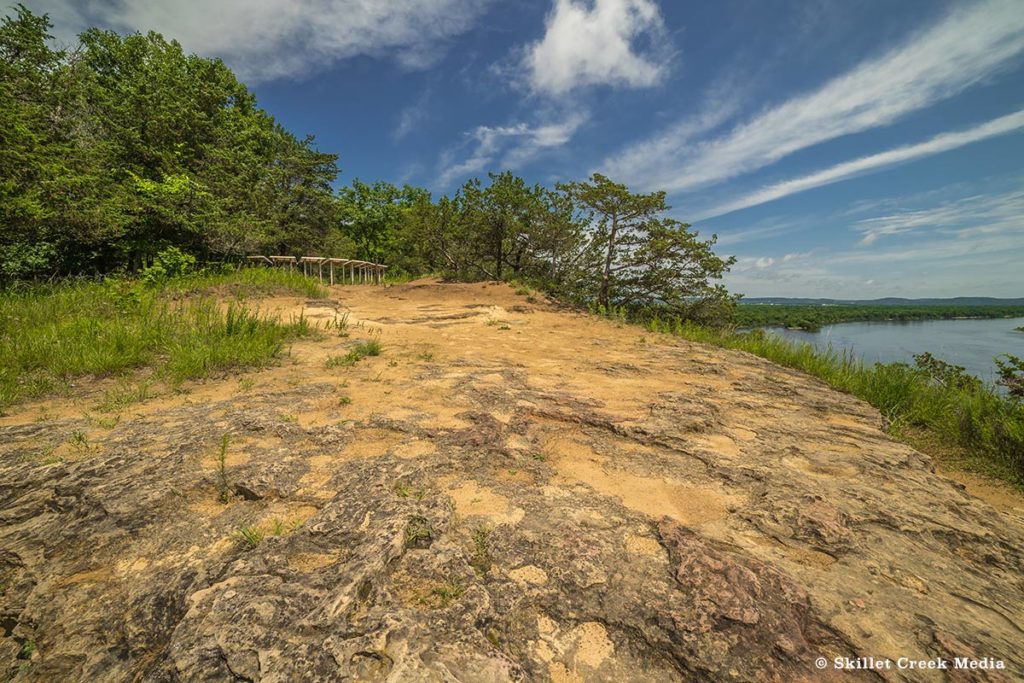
(973, 417)
(53, 334)
(246, 283)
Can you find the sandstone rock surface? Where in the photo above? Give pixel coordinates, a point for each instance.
(509, 492)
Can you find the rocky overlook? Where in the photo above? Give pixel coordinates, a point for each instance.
(509, 491)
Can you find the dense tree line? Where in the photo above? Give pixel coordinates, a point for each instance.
(123, 146)
(813, 316)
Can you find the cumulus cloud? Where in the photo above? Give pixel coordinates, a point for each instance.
(875, 162)
(508, 147)
(967, 46)
(267, 39)
(597, 44)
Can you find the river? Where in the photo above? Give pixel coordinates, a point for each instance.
(969, 343)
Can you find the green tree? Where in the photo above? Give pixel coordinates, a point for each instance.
(126, 145)
(638, 257)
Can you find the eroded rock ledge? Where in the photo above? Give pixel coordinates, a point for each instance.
(509, 492)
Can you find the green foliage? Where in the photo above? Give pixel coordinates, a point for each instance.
(169, 263)
(418, 533)
(945, 374)
(482, 559)
(639, 258)
(1011, 374)
(359, 351)
(812, 317)
(249, 536)
(448, 592)
(126, 145)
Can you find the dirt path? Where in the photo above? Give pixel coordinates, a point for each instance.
(507, 492)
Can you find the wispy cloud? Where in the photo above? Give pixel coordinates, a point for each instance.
(508, 147)
(969, 244)
(967, 217)
(595, 43)
(875, 162)
(965, 47)
(267, 39)
(411, 116)
(763, 229)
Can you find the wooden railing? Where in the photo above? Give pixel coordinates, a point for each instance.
(352, 270)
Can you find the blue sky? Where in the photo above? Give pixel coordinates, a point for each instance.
(837, 148)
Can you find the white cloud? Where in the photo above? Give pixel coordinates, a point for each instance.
(984, 214)
(411, 117)
(967, 46)
(796, 256)
(760, 230)
(969, 244)
(593, 45)
(267, 39)
(507, 146)
(875, 162)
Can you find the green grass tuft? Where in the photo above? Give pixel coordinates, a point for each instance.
(358, 352)
(53, 334)
(249, 536)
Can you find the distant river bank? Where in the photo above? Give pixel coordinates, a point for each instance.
(969, 343)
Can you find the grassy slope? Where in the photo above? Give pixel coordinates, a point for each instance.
(970, 428)
(52, 334)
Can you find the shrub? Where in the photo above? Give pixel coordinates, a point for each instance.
(169, 263)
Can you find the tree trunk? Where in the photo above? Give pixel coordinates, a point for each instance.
(603, 294)
(499, 252)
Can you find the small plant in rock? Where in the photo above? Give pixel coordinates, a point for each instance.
(344, 401)
(481, 560)
(280, 527)
(79, 441)
(448, 592)
(105, 422)
(28, 648)
(418, 533)
(426, 356)
(245, 384)
(249, 535)
(402, 490)
(224, 490)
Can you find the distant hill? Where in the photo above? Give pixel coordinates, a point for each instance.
(888, 301)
